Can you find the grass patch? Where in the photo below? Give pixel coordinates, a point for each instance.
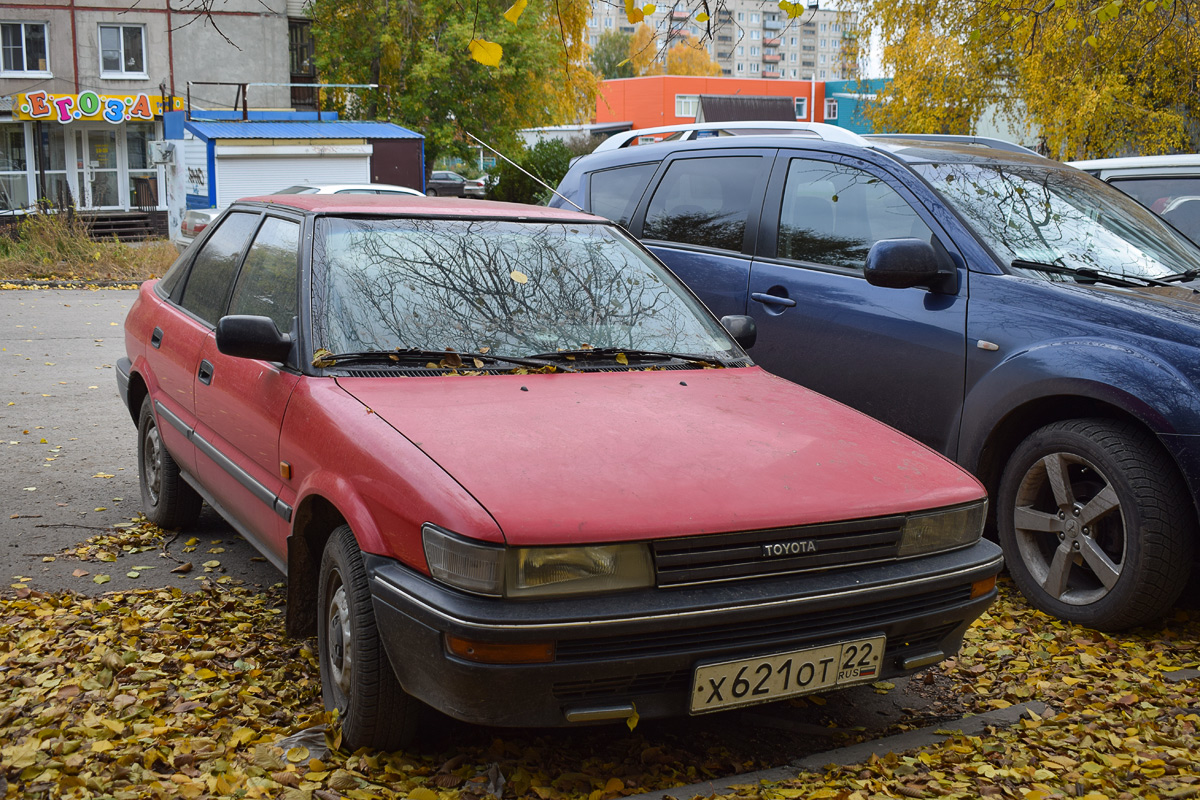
(57, 246)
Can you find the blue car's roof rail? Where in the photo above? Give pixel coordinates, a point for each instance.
(700, 130)
(951, 138)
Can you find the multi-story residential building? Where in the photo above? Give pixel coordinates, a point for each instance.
(754, 38)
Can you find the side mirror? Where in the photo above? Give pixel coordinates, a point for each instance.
(244, 336)
(742, 329)
(904, 263)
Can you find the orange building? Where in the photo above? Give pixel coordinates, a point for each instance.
(673, 99)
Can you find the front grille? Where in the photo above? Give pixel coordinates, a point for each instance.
(680, 679)
(780, 633)
(746, 554)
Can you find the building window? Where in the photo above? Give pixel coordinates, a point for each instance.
(822, 58)
(608, 22)
(831, 109)
(741, 50)
(741, 16)
(754, 35)
(824, 26)
(23, 45)
(754, 17)
(741, 67)
(792, 58)
(754, 66)
(793, 73)
(122, 51)
(753, 51)
(822, 73)
(835, 28)
(793, 41)
(823, 44)
(801, 104)
(686, 105)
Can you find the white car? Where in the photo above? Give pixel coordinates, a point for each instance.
(1167, 185)
(196, 220)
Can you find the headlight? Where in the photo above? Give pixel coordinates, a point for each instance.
(942, 530)
(535, 571)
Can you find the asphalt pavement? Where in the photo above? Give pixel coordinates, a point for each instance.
(70, 454)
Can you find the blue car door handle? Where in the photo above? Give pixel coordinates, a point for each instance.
(773, 300)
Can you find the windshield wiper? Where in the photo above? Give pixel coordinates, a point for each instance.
(1088, 273)
(1180, 277)
(628, 352)
(323, 358)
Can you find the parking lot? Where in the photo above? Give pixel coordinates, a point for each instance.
(71, 455)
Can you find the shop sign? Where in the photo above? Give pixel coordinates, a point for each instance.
(90, 106)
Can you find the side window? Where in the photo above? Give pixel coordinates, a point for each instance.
(705, 201)
(213, 270)
(266, 286)
(614, 193)
(1157, 194)
(832, 214)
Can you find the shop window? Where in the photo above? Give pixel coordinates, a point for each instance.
(831, 109)
(23, 48)
(122, 51)
(801, 105)
(14, 180)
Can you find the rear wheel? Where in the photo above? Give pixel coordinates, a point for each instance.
(167, 500)
(356, 677)
(431, 192)
(1096, 524)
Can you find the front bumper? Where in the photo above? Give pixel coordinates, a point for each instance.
(641, 648)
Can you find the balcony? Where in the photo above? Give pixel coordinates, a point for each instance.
(771, 73)
(722, 56)
(724, 38)
(772, 42)
(677, 15)
(771, 58)
(773, 25)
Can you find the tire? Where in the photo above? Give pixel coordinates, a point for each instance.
(356, 677)
(1096, 524)
(167, 500)
(431, 192)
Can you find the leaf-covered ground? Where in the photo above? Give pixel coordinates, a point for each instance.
(165, 693)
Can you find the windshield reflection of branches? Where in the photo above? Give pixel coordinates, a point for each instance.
(1055, 217)
(437, 284)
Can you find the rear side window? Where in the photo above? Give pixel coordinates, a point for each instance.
(614, 193)
(212, 272)
(266, 286)
(832, 214)
(1176, 199)
(705, 201)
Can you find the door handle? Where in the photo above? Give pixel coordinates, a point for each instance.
(156, 338)
(773, 300)
(206, 372)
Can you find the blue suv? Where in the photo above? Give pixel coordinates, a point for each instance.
(1014, 313)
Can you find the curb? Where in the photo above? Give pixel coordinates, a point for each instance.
(70, 284)
(853, 754)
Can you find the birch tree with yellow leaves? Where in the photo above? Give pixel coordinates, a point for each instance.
(1092, 79)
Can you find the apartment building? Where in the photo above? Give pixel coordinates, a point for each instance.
(754, 38)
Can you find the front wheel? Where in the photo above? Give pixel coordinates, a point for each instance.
(356, 677)
(167, 500)
(1096, 524)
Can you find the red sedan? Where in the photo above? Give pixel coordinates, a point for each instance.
(513, 469)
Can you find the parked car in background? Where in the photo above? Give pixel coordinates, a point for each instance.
(1167, 185)
(1016, 314)
(444, 183)
(496, 446)
(196, 220)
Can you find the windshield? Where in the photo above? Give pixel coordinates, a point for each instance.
(505, 287)
(1029, 212)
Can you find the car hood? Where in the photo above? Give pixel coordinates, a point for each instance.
(1180, 300)
(647, 454)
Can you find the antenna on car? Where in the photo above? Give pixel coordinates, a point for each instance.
(527, 172)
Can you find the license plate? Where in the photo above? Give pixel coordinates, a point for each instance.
(749, 681)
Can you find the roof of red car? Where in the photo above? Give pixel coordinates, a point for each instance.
(417, 206)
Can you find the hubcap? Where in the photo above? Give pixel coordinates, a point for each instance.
(1070, 531)
(341, 656)
(152, 459)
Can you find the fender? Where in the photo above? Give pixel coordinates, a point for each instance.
(1139, 383)
(381, 483)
